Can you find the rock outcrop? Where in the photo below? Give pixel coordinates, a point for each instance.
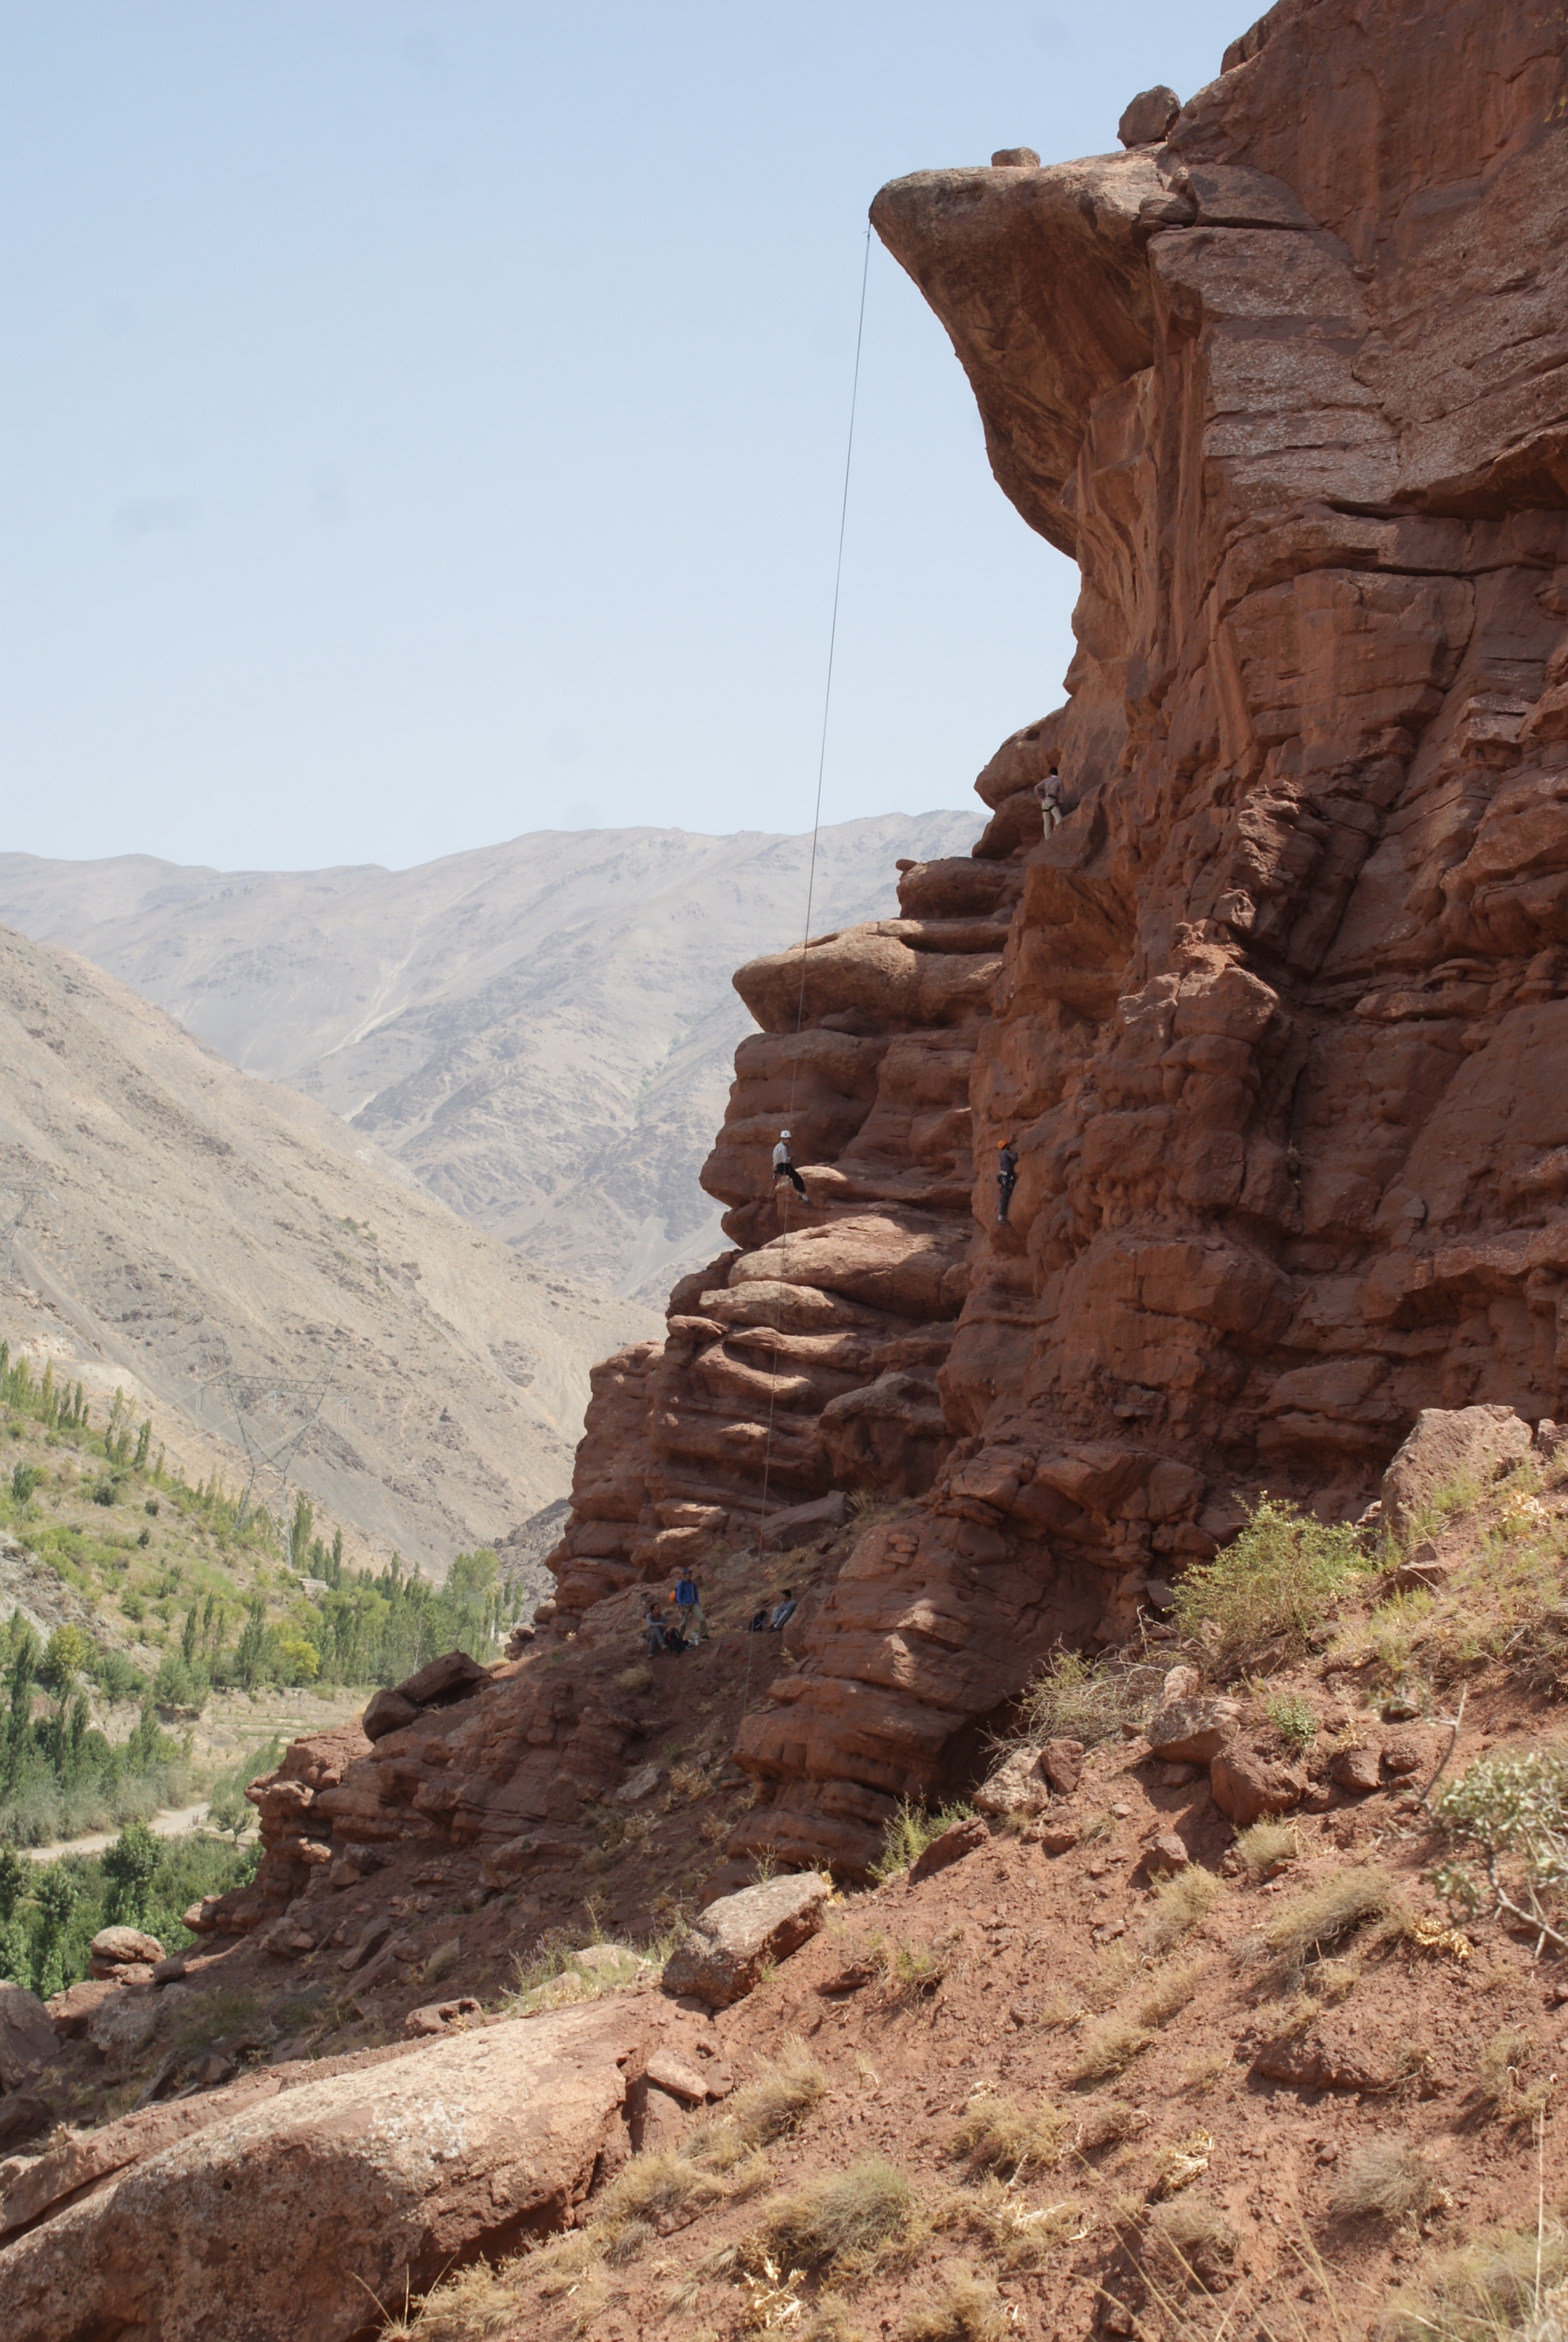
(1274, 1013)
(379, 2177)
(1278, 1020)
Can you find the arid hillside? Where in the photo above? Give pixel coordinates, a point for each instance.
(199, 1234)
(541, 1032)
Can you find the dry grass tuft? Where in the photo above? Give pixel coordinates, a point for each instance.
(1110, 2124)
(1501, 2089)
(1206, 2071)
(1023, 2237)
(1178, 1905)
(646, 2191)
(1108, 2048)
(1190, 2242)
(913, 1972)
(1388, 2179)
(1265, 1848)
(779, 2099)
(1326, 1916)
(963, 2308)
(476, 2303)
(998, 2135)
(633, 1680)
(831, 2322)
(775, 2102)
(1088, 1699)
(1496, 2287)
(842, 2221)
(557, 1978)
(1168, 1991)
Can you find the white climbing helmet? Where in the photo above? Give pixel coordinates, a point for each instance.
(784, 1134)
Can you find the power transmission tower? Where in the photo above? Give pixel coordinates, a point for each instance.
(271, 1414)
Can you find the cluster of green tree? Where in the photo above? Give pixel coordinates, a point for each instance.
(377, 1626)
(58, 1406)
(367, 1627)
(50, 1912)
(342, 1625)
(60, 1776)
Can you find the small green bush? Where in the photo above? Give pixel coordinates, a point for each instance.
(1270, 1588)
(1511, 1812)
(1294, 1719)
(909, 1833)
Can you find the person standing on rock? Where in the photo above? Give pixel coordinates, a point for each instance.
(783, 1167)
(687, 1598)
(1006, 1178)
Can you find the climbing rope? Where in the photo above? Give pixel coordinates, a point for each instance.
(811, 888)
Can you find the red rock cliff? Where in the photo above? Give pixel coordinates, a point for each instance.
(1277, 1011)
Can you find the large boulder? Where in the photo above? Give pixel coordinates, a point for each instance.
(329, 2198)
(114, 1949)
(1448, 1448)
(124, 2022)
(1247, 1787)
(441, 1682)
(724, 1951)
(387, 1711)
(1191, 1731)
(800, 1524)
(27, 2037)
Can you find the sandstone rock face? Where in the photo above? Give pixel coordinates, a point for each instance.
(1276, 1015)
(28, 2039)
(373, 2177)
(1448, 1446)
(1281, 1027)
(723, 1955)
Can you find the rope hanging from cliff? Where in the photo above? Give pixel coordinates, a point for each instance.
(811, 871)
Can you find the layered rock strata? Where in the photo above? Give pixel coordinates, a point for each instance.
(1275, 1014)
(808, 1359)
(1279, 1022)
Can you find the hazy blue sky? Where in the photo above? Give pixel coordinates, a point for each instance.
(425, 422)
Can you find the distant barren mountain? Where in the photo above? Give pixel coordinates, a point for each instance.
(540, 1032)
(202, 1235)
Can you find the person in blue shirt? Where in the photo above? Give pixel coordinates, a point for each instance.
(691, 1627)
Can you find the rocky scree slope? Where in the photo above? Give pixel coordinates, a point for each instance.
(1275, 1015)
(186, 1220)
(540, 1032)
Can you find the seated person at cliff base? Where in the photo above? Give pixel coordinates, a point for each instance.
(774, 1621)
(662, 1637)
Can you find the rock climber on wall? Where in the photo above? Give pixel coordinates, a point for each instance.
(783, 1167)
(1048, 796)
(1006, 1177)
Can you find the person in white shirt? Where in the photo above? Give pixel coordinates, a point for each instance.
(783, 1167)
